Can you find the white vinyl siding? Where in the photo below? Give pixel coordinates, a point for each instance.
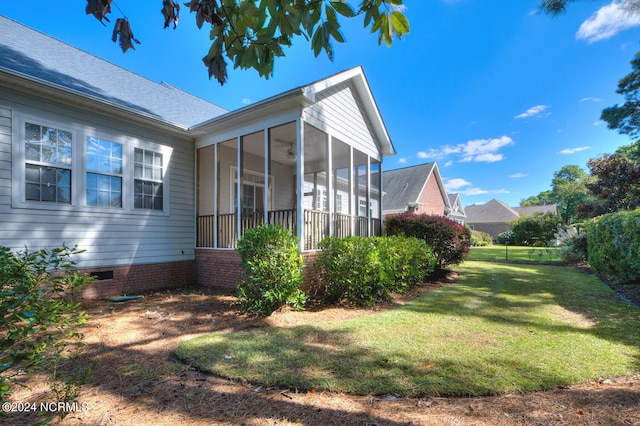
(110, 236)
(338, 112)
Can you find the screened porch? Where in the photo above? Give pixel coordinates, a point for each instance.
(294, 174)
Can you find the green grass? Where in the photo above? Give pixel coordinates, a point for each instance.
(520, 253)
(501, 328)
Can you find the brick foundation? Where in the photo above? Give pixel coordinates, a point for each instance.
(221, 268)
(218, 268)
(135, 279)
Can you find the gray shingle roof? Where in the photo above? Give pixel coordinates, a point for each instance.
(491, 212)
(496, 211)
(529, 210)
(403, 186)
(30, 53)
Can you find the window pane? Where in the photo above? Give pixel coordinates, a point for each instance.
(148, 175)
(33, 192)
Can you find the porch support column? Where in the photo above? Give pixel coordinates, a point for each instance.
(368, 196)
(239, 188)
(300, 184)
(352, 195)
(215, 195)
(267, 165)
(329, 179)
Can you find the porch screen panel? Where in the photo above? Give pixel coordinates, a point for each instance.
(282, 176)
(375, 197)
(341, 188)
(360, 177)
(226, 217)
(316, 201)
(205, 199)
(252, 189)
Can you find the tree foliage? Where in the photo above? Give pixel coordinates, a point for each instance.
(556, 7)
(615, 186)
(542, 199)
(569, 190)
(252, 33)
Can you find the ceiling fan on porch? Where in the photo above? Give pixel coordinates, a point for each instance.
(291, 154)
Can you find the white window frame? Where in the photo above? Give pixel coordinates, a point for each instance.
(79, 134)
(234, 185)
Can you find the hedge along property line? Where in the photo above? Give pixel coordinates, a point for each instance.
(614, 245)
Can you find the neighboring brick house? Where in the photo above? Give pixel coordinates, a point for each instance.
(493, 217)
(415, 189)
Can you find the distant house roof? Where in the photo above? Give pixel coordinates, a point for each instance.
(403, 186)
(76, 72)
(491, 211)
(496, 211)
(530, 210)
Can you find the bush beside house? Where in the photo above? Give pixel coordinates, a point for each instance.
(449, 240)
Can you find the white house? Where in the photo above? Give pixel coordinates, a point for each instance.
(157, 185)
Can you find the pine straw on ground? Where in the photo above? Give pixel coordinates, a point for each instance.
(137, 381)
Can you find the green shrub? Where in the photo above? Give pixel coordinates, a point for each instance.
(38, 317)
(614, 245)
(273, 270)
(536, 230)
(362, 271)
(449, 240)
(572, 244)
(480, 239)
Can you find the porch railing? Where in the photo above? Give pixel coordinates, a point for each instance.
(316, 226)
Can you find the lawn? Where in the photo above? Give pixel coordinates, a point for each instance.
(520, 253)
(502, 328)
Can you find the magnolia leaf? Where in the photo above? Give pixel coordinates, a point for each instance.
(123, 30)
(400, 23)
(99, 9)
(217, 68)
(343, 9)
(171, 13)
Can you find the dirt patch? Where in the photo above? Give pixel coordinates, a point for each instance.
(137, 381)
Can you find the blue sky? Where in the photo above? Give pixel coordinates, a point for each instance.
(498, 94)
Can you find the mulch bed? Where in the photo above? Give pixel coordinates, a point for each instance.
(137, 381)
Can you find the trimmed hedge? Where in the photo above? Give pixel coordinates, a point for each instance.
(273, 270)
(362, 271)
(449, 240)
(614, 245)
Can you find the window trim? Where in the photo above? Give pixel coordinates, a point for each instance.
(79, 133)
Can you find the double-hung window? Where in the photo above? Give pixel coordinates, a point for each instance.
(48, 164)
(104, 173)
(148, 180)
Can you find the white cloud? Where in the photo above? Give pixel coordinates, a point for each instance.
(518, 175)
(608, 21)
(574, 150)
(485, 150)
(246, 101)
(598, 123)
(448, 164)
(402, 160)
(477, 150)
(453, 184)
(535, 111)
(591, 99)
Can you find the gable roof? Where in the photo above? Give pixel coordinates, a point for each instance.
(491, 212)
(304, 96)
(30, 58)
(403, 186)
(454, 199)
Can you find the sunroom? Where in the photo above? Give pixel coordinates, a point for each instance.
(309, 159)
